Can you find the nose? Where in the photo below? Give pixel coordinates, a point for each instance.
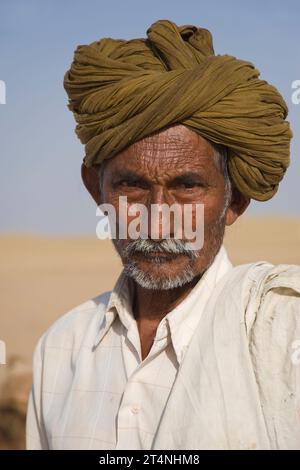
(160, 224)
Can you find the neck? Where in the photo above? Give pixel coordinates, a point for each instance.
(152, 305)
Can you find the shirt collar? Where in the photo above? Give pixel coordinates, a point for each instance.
(181, 321)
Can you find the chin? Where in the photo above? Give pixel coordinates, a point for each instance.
(158, 274)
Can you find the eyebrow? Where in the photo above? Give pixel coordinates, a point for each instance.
(132, 177)
(129, 176)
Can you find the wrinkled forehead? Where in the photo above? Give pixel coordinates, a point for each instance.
(177, 138)
(171, 149)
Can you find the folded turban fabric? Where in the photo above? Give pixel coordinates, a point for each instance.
(122, 91)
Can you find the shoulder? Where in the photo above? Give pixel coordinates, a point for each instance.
(265, 299)
(262, 277)
(76, 327)
(256, 290)
(274, 313)
(276, 305)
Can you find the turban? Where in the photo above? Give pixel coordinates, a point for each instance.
(122, 91)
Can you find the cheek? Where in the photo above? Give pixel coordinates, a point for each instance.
(212, 209)
(127, 215)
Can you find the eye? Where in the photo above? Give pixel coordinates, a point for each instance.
(190, 185)
(187, 182)
(186, 185)
(124, 183)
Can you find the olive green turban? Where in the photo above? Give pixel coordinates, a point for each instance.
(122, 91)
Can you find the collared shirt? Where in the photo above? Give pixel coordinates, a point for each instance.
(92, 390)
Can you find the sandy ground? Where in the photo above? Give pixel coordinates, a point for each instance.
(42, 278)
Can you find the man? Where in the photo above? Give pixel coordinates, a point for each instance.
(186, 352)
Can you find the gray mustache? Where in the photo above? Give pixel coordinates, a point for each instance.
(167, 246)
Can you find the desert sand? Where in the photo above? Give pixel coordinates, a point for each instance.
(42, 278)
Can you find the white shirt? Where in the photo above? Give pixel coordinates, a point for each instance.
(91, 388)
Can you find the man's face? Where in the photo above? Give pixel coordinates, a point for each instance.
(173, 166)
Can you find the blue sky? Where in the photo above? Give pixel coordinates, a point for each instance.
(41, 189)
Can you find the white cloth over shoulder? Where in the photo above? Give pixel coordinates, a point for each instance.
(239, 385)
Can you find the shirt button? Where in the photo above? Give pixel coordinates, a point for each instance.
(135, 409)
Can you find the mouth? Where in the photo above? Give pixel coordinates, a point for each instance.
(157, 255)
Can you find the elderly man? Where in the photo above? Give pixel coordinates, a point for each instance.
(187, 351)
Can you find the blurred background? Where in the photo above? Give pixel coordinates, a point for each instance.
(51, 259)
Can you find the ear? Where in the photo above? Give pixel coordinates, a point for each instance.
(90, 178)
(238, 205)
